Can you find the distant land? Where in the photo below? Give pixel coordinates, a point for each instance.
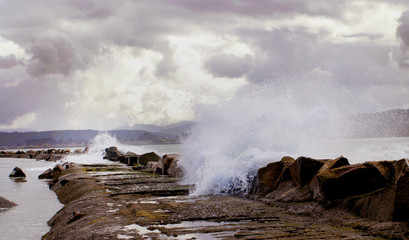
(392, 123)
(170, 134)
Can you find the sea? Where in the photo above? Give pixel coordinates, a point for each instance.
(37, 203)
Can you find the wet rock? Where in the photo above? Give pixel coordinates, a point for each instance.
(305, 169)
(270, 177)
(112, 153)
(132, 158)
(350, 180)
(47, 174)
(377, 190)
(17, 173)
(148, 157)
(167, 164)
(4, 203)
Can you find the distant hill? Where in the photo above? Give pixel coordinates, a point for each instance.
(392, 123)
(67, 138)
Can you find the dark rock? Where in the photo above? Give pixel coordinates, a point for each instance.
(305, 169)
(4, 203)
(350, 180)
(112, 153)
(47, 174)
(132, 158)
(148, 157)
(270, 177)
(17, 173)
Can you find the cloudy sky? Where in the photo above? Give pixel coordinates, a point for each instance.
(79, 64)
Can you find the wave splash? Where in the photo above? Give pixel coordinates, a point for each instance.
(236, 138)
(97, 150)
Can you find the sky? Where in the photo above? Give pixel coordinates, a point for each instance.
(82, 64)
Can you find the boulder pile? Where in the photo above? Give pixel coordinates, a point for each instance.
(47, 155)
(377, 190)
(165, 165)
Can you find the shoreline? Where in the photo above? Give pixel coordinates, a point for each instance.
(115, 202)
(127, 200)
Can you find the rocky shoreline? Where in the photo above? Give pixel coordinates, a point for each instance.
(287, 202)
(52, 155)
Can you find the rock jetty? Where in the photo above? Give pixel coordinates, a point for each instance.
(47, 155)
(377, 190)
(290, 199)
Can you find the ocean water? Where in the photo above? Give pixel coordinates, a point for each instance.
(36, 202)
(212, 164)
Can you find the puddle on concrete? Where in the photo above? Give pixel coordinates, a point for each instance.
(141, 230)
(195, 224)
(122, 236)
(149, 202)
(185, 225)
(96, 173)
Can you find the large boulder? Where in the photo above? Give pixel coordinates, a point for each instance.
(47, 174)
(128, 158)
(17, 173)
(112, 153)
(304, 169)
(167, 164)
(132, 158)
(4, 203)
(350, 180)
(148, 157)
(270, 177)
(377, 190)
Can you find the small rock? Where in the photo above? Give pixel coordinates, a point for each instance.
(4, 203)
(17, 173)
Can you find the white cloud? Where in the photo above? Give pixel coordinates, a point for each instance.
(23, 121)
(85, 64)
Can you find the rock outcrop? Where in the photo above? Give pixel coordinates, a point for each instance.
(377, 190)
(47, 155)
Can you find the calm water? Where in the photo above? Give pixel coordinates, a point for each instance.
(36, 203)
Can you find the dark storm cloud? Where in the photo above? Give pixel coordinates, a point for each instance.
(228, 65)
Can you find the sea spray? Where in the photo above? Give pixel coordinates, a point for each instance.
(234, 139)
(97, 150)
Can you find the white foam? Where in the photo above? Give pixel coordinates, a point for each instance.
(97, 150)
(234, 139)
